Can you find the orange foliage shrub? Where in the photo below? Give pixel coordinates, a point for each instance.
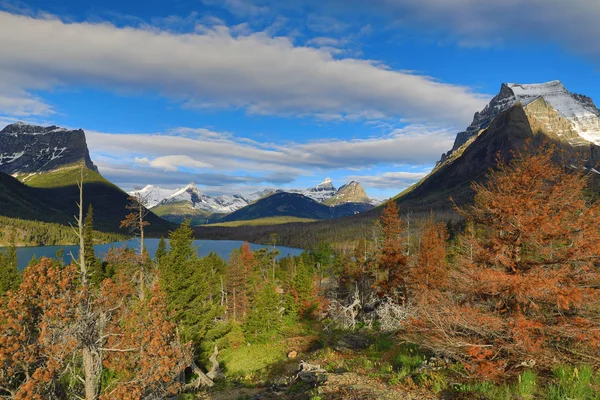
(392, 260)
(429, 275)
(526, 285)
(36, 335)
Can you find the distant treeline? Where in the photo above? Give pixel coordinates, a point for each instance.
(308, 235)
(35, 233)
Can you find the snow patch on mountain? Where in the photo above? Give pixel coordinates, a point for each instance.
(152, 195)
(224, 204)
(579, 110)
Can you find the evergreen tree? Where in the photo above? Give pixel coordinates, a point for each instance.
(161, 250)
(264, 316)
(392, 260)
(191, 285)
(10, 278)
(93, 264)
(303, 289)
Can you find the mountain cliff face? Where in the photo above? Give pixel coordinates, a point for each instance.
(577, 111)
(352, 192)
(31, 149)
(536, 114)
(46, 165)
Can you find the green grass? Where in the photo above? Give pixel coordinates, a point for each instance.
(247, 361)
(574, 383)
(264, 221)
(64, 176)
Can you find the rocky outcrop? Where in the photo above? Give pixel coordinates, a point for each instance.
(32, 149)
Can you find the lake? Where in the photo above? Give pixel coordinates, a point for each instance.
(222, 247)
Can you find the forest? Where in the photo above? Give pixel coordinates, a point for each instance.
(502, 305)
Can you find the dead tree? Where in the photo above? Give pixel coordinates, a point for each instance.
(90, 326)
(136, 221)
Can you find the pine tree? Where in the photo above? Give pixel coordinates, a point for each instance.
(191, 285)
(10, 278)
(161, 250)
(94, 265)
(392, 260)
(429, 275)
(304, 290)
(241, 264)
(264, 316)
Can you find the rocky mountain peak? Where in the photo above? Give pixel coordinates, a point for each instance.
(26, 148)
(580, 111)
(352, 192)
(326, 185)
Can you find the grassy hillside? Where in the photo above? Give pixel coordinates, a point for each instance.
(53, 196)
(20, 201)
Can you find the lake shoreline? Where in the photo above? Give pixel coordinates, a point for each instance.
(203, 247)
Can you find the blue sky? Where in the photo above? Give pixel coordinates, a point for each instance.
(238, 95)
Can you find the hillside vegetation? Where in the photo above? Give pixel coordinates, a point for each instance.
(505, 307)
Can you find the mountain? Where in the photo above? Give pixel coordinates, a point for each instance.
(33, 149)
(579, 110)
(323, 191)
(352, 192)
(284, 204)
(189, 202)
(153, 194)
(47, 163)
(518, 115)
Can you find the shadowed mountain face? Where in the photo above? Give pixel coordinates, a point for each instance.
(31, 149)
(46, 164)
(577, 111)
(511, 131)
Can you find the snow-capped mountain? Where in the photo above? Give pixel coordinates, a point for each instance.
(200, 201)
(578, 110)
(323, 191)
(156, 196)
(152, 195)
(32, 149)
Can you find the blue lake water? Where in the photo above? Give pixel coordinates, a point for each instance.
(222, 247)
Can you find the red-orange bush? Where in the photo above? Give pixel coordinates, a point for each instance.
(526, 285)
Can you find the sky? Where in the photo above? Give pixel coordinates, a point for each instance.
(241, 95)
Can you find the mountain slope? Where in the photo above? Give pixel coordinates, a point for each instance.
(293, 205)
(48, 190)
(579, 111)
(20, 201)
(512, 130)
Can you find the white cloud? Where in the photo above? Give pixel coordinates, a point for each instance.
(215, 68)
(412, 145)
(175, 162)
(390, 180)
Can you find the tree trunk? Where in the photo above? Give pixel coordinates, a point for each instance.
(90, 383)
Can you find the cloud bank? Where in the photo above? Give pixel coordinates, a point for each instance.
(214, 67)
